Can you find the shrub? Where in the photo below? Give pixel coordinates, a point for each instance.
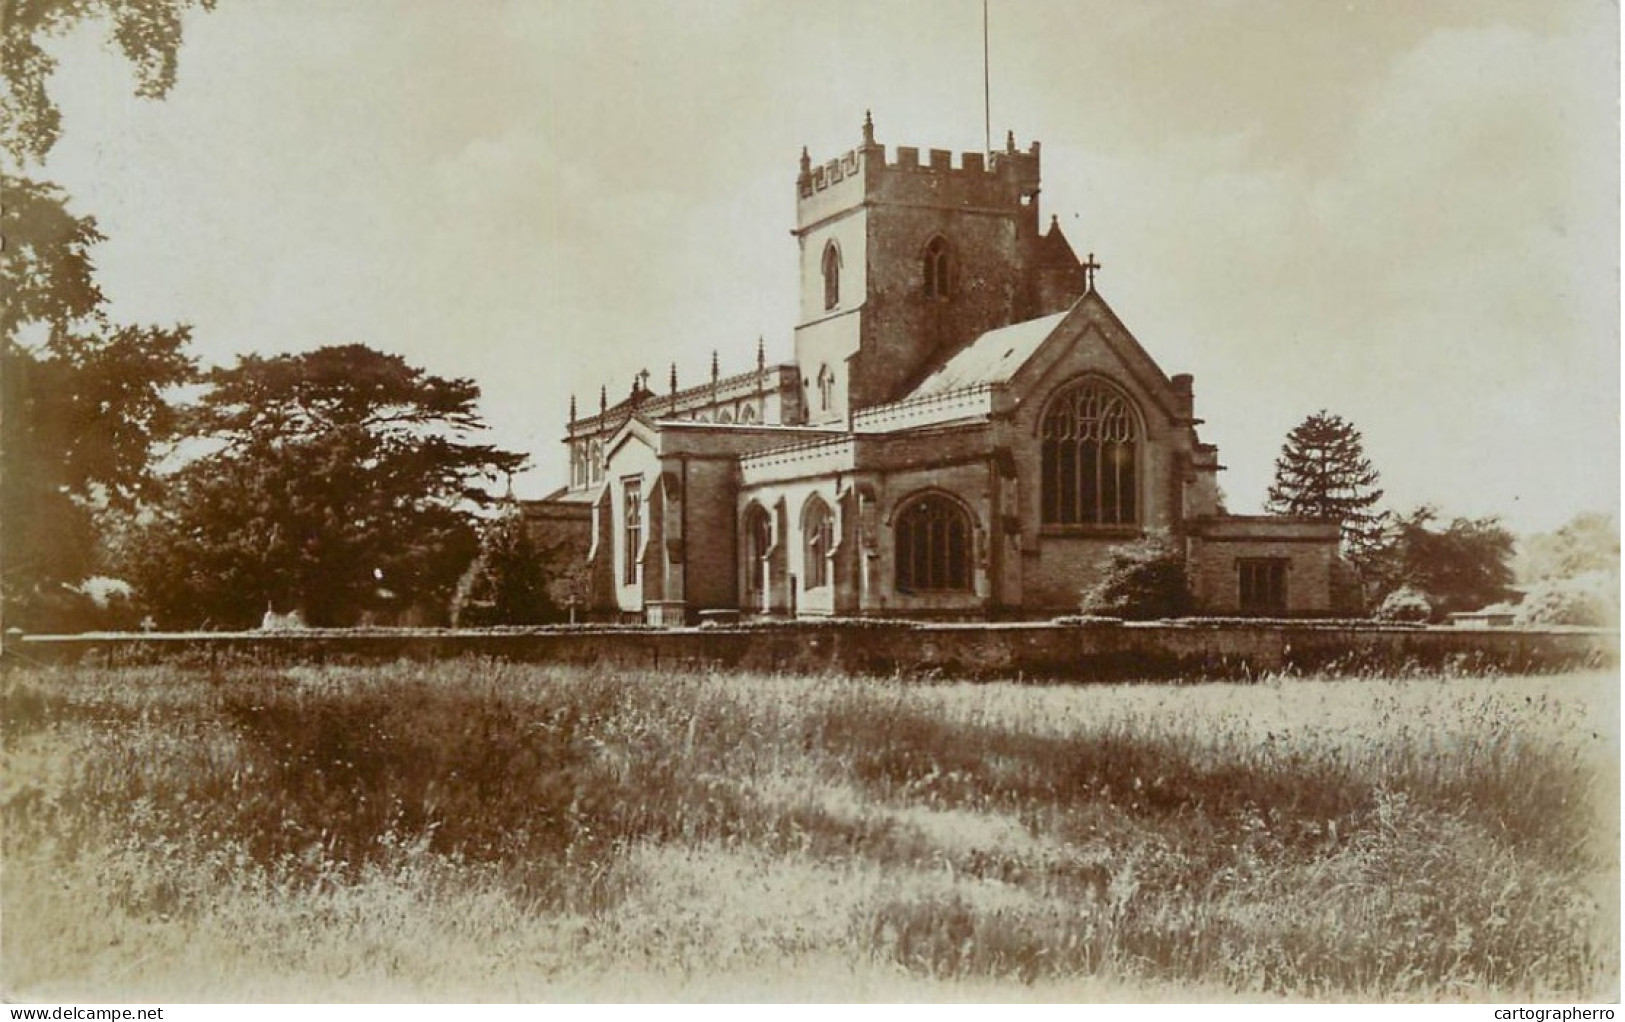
(1142, 580)
(1590, 600)
(1405, 604)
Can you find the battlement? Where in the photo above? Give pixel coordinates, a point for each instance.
(868, 162)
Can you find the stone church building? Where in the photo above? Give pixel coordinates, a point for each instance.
(966, 431)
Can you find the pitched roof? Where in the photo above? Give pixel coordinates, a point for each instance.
(993, 357)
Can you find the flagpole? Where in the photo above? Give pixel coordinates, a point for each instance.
(987, 101)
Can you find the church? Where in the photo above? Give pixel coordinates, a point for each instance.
(967, 431)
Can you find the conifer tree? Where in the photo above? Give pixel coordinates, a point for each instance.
(1323, 473)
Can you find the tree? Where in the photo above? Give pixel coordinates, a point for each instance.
(1142, 580)
(341, 481)
(507, 583)
(147, 32)
(1463, 566)
(83, 406)
(1323, 473)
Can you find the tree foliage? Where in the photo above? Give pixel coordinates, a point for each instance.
(1142, 580)
(507, 584)
(1323, 472)
(1462, 566)
(83, 404)
(340, 481)
(146, 32)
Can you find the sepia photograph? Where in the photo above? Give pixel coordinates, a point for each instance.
(736, 501)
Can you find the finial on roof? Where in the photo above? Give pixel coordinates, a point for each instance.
(713, 365)
(572, 409)
(761, 353)
(806, 161)
(1054, 221)
(1010, 141)
(868, 129)
(603, 399)
(674, 377)
(1090, 267)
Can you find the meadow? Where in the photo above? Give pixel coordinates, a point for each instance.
(475, 829)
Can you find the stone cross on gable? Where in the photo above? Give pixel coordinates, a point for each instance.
(1090, 267)
(643, 380)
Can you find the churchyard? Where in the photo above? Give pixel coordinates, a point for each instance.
(474, 828)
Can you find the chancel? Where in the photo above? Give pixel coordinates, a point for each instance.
(967, 430)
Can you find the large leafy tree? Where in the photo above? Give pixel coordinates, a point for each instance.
(340, 481)
(1460, 566)
(83, 406)
(1323, 472)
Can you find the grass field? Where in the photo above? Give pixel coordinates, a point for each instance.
(481, 830)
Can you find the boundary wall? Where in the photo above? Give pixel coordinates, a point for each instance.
(1050, 651)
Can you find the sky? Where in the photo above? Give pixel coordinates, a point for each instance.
(1403, 213)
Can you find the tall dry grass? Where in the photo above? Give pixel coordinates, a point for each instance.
(482, 829)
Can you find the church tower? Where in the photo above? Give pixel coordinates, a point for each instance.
(904, 262)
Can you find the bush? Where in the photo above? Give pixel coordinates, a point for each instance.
(1590, 600)
(1142, 581)
(1405, 604)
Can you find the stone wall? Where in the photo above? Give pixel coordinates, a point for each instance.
(1079, 653)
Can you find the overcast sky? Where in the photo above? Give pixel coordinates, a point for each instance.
(1404, 212)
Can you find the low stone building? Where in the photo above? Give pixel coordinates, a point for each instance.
(967, 430)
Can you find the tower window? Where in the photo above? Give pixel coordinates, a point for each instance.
(832, 276)
(938, 268)
(933, 536)
(818, 532)
(1089, 442)
(634, 529)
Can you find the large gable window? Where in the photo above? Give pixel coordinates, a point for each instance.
(832, 276)
(818, 534)
(933, 536)
(937, 267)
(1089, 440)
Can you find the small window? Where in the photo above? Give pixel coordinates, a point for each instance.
(818, 531)
(933, 536)
(747, 414)
(826, 388)
(938, 268)
(758, 539)
(832, 276)
(595, 460)
(634, 529)
(725, 416)
(1262, 581)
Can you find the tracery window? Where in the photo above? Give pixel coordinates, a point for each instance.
(938, 268)
(818, 534)
(1261, 582)
(595, 460)
(633, 529)
(1089, 439)
(832, 276)
(933, 538)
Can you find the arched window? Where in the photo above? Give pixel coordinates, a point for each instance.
(933, 535)
(832, 276)
(747, 414)
(758, 538)
(595, 460)
(818, 537)
(725, 416)
(826, 387)
(1090, 445)
(938, 266)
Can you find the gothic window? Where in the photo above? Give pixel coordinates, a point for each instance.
(633, 529)
(826, 387)
(938, 268)
(1089, 442)
(578, 464)
(818, 534)
(1262, 582)
(595, 460)
(758, 537)
(832, 276)
(725, 416)
(747, 414)
(933, 537)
